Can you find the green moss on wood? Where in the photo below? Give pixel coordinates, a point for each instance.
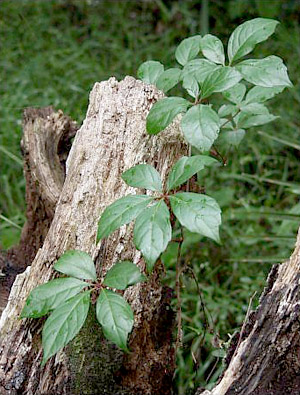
(93, 361)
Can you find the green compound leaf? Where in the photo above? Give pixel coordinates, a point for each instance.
(231, 137)
(200, 126)
(168, 79)
(198, 213)
(254, 108)
(188, 49)
(77, 264)
(143, 176)
(212, 48)
(115, 316)
(246, 120)
(186, 167)
(163, 112)
(268, 72)
(247, 35)
(64, 324)
(260, 94)
(152, 232)
(199, 68)
(191, 85)
(220, 80)
(235, 94)
(226, 124)
(254, 114)
(227, 109)
(150, 71)
(47, 297)
(121, 212)
(123, 274)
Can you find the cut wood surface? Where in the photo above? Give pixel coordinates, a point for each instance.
(112, 139)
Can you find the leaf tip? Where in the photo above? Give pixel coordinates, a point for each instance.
(99, 235)
(44, 361)
(124, 348)
(150, 265)
(218, 240)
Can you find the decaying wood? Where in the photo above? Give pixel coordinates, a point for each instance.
(267, 360)
(45, 146)
(111, 139)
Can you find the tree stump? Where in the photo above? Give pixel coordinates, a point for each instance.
(45, 146)
(267, 359)
(111, 140)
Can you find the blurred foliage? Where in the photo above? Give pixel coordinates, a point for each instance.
(52, 52)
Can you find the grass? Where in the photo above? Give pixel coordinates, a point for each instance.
(52, 52)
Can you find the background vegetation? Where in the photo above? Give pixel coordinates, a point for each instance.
(52, 52)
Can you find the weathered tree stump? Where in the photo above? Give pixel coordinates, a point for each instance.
(112, 139)
(45, 146)
(267, 359)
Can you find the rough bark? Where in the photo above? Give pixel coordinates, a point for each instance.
(45, 145)
(111, 139)
(266, 361)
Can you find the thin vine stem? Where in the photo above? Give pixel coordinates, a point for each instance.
(231, 119)
(178, 295)
(189, 155)
(178, 274)
(223, 159)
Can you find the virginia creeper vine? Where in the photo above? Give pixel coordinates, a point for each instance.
(245, 85)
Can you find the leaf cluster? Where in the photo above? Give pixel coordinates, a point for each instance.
(152, 230)
(201, 125)
(68, 300)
